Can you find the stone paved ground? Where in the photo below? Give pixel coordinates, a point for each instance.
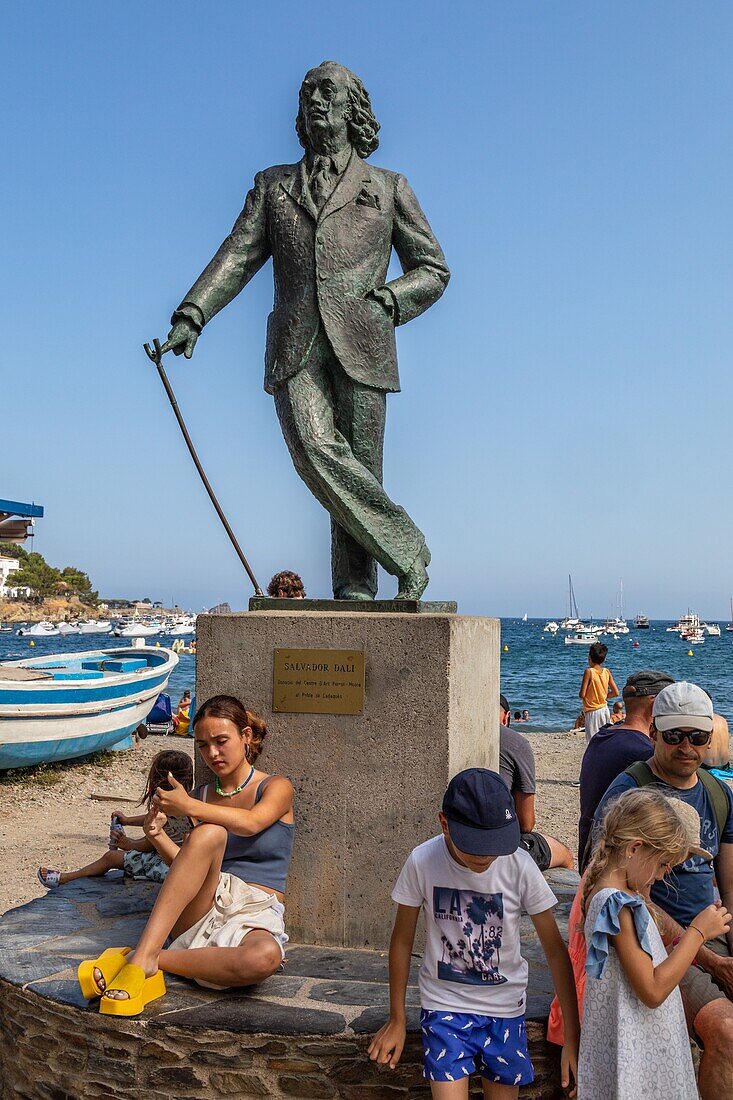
(338, 996)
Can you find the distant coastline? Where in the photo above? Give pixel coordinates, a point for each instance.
(57, 609)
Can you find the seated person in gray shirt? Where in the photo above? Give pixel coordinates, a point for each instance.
(517, 769)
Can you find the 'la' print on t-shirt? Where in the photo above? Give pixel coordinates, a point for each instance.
(471, 941)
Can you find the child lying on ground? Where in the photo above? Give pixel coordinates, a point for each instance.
(146, 858)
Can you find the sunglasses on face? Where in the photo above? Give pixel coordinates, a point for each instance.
(698, 738)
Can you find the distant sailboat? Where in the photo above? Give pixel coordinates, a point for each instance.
(573, 618)
(730, 624)
(524, 617)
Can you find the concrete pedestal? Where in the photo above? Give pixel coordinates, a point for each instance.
(368, 786)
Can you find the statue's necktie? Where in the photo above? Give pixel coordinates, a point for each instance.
(322, 181)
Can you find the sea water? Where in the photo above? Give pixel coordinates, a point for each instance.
(539, 672)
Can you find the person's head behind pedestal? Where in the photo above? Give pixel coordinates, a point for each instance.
(597, 653)
(334, 110)
(682, 725)
(286, 585)
(505, 714)
(478, 819)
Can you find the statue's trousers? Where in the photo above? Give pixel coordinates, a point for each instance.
(334, 429)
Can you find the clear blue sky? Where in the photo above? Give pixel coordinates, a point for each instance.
(566, 406)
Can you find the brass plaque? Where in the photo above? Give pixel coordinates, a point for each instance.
(318, 681)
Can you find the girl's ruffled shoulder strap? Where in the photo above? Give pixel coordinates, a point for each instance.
(607, 923)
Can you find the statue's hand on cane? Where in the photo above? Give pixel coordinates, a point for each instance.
(181, 338)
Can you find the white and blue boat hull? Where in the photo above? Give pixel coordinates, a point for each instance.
(86, 702)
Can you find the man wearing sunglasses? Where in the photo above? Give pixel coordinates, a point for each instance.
(682, 725)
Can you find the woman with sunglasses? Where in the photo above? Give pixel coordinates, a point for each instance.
(682, 726)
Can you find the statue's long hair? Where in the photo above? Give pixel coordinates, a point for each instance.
(363, 126)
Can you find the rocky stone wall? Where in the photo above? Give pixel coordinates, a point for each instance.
(51, 1051)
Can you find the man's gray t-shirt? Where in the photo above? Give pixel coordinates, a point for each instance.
(516, 761)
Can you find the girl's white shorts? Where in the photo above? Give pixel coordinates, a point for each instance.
(237, 910)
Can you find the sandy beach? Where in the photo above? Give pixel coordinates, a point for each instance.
(60, 825)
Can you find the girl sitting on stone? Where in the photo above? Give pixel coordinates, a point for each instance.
(222, 901)
(139, 859)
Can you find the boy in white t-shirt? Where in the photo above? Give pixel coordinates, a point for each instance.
(473, 882)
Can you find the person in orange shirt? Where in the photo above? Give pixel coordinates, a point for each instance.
(597, 688)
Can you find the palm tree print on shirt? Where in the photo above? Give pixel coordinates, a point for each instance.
(471, 944)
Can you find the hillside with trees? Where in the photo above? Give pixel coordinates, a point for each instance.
(45, 581)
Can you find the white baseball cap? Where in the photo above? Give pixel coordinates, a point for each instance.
(683, 705)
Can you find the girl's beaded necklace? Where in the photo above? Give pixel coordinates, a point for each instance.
(231, 794)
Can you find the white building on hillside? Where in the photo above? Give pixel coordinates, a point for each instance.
(7, 566)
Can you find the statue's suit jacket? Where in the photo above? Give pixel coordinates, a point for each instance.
(325, 265)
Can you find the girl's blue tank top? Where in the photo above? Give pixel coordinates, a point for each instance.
(263, 858)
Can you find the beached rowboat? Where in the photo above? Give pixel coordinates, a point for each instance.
(71, 704)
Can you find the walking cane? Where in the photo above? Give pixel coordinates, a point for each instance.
(156, 355)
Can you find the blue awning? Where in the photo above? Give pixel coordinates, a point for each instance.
(16, 520)
(16, 508)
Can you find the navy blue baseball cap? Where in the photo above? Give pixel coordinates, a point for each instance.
(481, 814)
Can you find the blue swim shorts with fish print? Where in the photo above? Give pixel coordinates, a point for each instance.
(456, 1044)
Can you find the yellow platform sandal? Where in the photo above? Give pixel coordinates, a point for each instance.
(139, 989)
(109, 964)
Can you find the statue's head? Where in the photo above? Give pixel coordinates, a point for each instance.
(334, 109)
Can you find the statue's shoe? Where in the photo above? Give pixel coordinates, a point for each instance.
(353, 592)
(414, 582)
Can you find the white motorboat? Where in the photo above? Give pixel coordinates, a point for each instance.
(40, 630)
(551, 627)
(138, 630)
(94, 626)
(68, 628)
(641, 622)
(711, 629)
(584, 634)
(180, 628)
(615, 626)
(693, 636)
(687, 622)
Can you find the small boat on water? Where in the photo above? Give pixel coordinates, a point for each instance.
(711, 629)
(94, 626)
(69, 705)
(641, 622)
(182, 627)
(584, 634)
(615, 626)
(68, 628)
(551, 627)
(730, 624)
(693, 636)
(39, 630)
(137, 629)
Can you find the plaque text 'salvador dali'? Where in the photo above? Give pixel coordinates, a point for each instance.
(307, 666)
